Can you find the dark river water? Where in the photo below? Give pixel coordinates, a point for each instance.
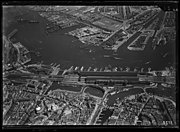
(58, 47)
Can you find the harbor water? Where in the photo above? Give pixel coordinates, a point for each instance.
(65, 50)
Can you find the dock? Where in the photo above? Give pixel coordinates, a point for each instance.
(119, 43)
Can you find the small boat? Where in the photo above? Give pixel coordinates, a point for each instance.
(38, 55)
(154, 47)
(84, 46)
(117, 58)
(147, 62)
(107, 56)
(71, 68)
(95, 69)
(113, 93)
(82, 68)
(101, 69)
(115, 53)
(76, 68)
(165, 55)
(74, 40)
(116, 69)
(33, 21)
(107, 48)
(22, 20)
(89, 69)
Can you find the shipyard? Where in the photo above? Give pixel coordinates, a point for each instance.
(89, 65)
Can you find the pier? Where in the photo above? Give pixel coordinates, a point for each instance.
(12, 34)
(119, 43)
